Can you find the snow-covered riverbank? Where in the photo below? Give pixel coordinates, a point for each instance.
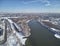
(19, 35)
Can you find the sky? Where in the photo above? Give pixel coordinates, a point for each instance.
(30, 6)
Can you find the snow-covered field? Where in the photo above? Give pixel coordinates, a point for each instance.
(15, 38)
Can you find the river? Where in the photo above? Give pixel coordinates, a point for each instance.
(41, 36)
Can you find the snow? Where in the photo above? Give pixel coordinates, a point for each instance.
(57, 36)
(55, 29)
(28, 21)
(15, 38)
(17, 27)
(19, 35)
(10, 20)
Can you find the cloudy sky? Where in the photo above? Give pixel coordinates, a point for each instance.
(30, 6)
